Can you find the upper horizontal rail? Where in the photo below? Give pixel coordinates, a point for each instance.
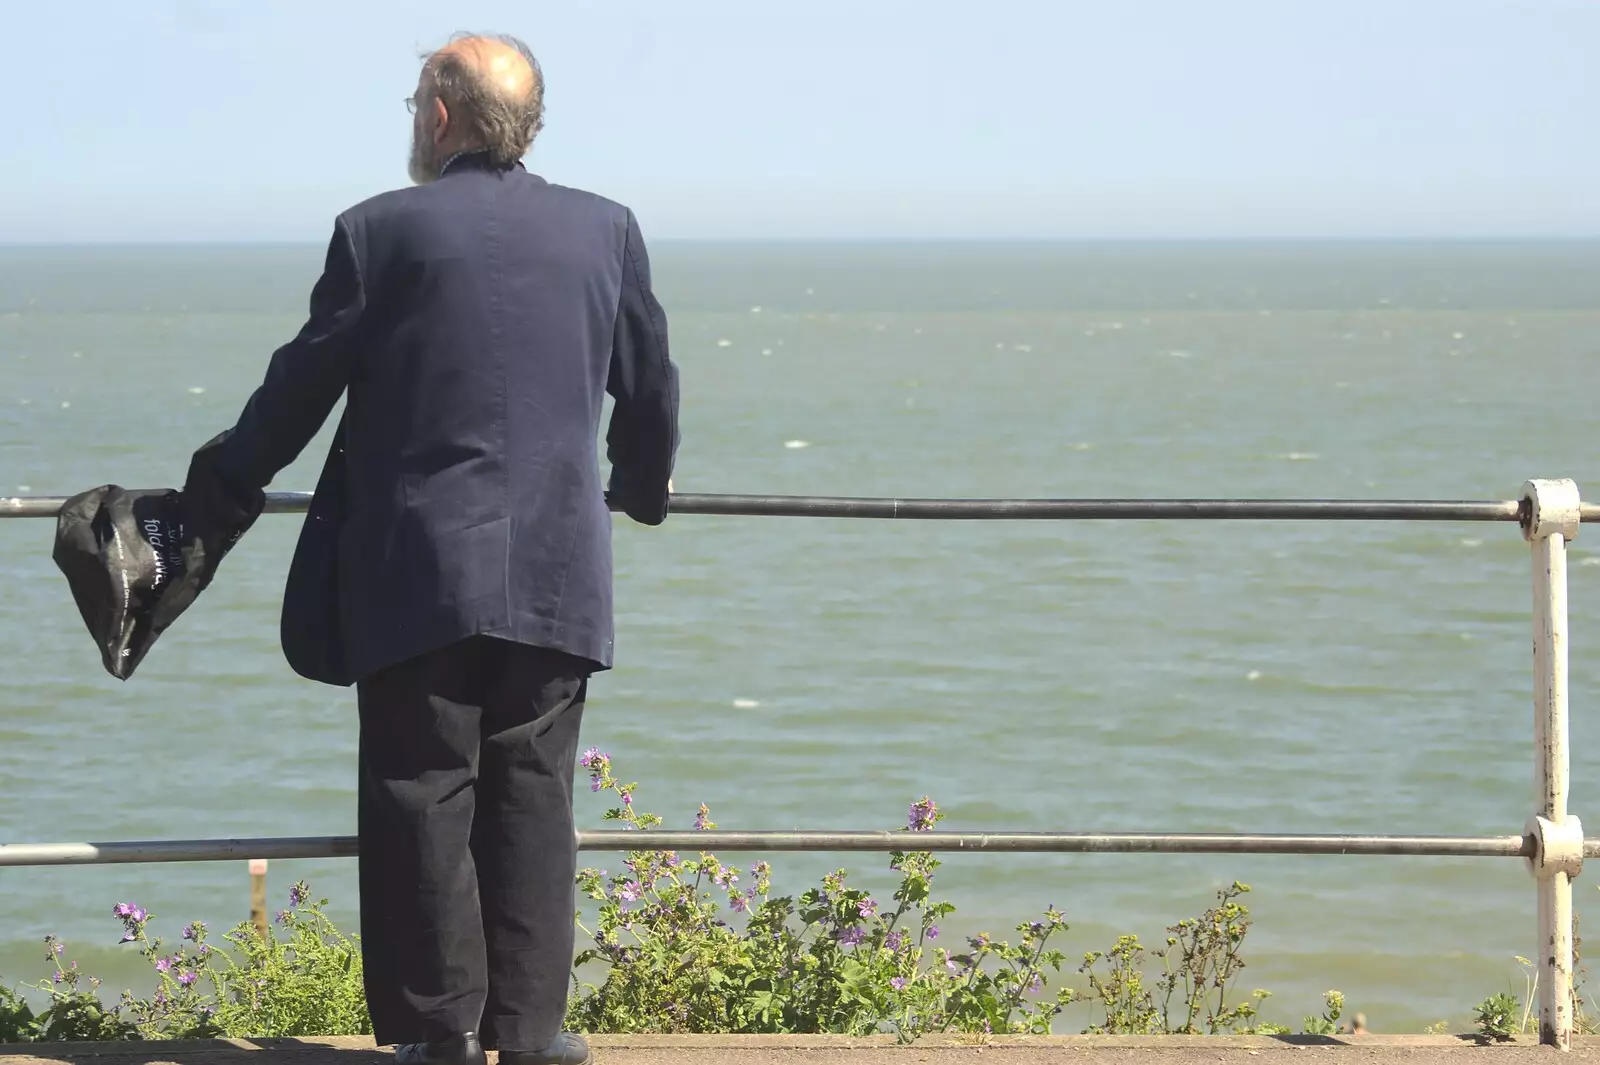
(1001, 509)
(209, 850)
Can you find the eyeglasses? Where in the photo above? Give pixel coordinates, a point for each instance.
(411, 104)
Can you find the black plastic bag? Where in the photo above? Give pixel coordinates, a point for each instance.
(135, 559)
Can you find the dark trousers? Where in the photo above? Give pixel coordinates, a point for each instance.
(467, 845)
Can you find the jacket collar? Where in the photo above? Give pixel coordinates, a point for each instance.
(475, 159)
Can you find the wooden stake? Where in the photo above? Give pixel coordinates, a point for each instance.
(258, 895)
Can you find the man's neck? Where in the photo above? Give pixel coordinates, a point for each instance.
(457, 156)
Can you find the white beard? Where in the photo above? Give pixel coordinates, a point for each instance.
(422, 169)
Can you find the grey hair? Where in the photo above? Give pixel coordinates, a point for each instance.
(504, 125)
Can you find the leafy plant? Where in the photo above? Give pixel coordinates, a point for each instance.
(306, 981)
(1499, 1016)
(1583, 1022)
(1200, 963)
(1202, 959)
(689, 944)
(833, 960)
(1118, 990)
(1328, 1023)
(75, 1013)
(17, 1022)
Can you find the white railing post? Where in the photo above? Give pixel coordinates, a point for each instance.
(1550, 521)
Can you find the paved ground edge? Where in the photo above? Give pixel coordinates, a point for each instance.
(189, 1048)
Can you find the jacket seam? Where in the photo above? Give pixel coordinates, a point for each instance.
(649, 312)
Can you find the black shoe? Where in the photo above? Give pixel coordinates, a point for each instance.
(568, 1049)
(463, 1049)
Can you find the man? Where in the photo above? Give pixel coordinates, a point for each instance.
(456, 562)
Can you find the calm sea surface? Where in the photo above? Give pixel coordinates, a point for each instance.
(821, 674)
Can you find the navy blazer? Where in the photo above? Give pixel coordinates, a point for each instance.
(477, 323)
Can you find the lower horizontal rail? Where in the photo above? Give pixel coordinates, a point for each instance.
(1002, 509)
(214, 850)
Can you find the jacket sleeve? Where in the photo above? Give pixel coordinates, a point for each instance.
(642, 440)
(304, 379)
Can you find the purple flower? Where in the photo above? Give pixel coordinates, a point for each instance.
(932, 932)
(1036, 983)
(594, 785)
(898, 983)
(630, 892)
(894, 941)
(59, 948)
(738, 903)
(868, 907)
(702, 820)
(205, 948)
(950, 963)
(128, 937)
(283, 916)
(849, 937)
(186, 978)
(922, 814)
(298, 894)
(592, 759)
(189, 931)
(160, 998)
(163, 965)
(138, 916)
(122, 909)
(627, 800)
(57, 978)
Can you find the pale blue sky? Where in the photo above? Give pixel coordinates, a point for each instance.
(223, 120)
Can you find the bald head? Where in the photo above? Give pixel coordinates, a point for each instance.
(504, 70)
(478, 92)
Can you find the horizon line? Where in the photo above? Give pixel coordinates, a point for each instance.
(1584, 238)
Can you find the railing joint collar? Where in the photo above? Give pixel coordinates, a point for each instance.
(1557, 847)
(1549, 507)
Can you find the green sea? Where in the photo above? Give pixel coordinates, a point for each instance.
(821, 673)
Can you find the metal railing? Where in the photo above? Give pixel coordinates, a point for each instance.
(766, 506)
(1552, 844)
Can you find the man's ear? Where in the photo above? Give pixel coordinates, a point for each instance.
(441, 121)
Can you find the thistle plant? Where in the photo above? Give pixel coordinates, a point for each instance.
(301, 978)
(695, 944)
